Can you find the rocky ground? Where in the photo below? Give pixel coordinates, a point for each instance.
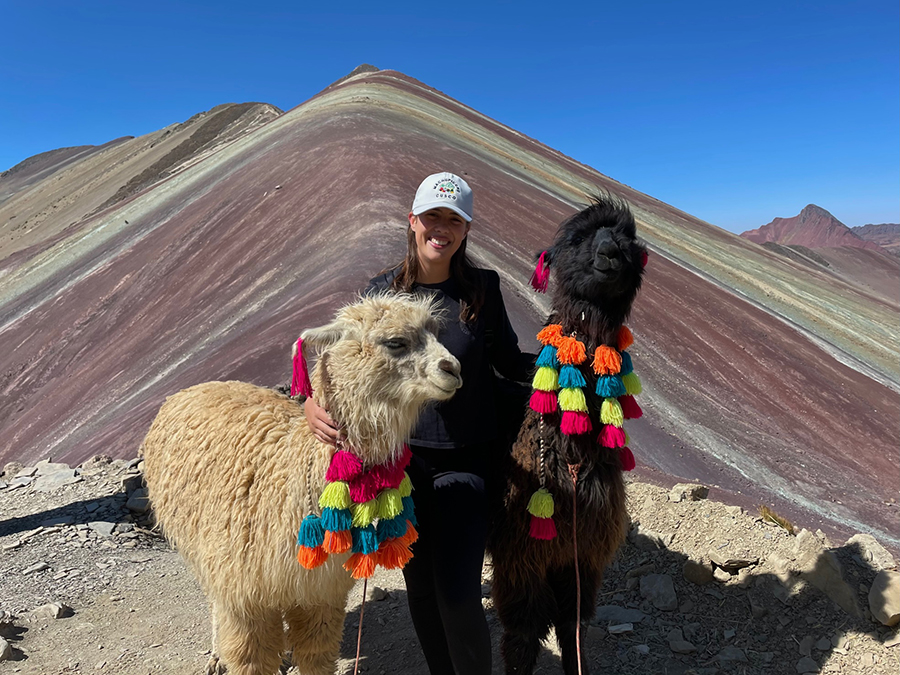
(700, 587)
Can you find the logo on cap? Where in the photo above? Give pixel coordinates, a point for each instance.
(446, 189)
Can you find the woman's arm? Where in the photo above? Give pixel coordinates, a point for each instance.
(503, 348)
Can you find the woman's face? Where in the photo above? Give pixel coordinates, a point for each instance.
(439, 233)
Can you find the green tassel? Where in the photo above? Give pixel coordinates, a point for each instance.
(390, 503)
(611, 412)
(546, 379)
(406, 486)
(632, 384)
(365, 513)
(541, 504)
(572, 400)
(336, 495)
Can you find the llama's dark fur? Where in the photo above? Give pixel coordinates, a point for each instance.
(597, 265)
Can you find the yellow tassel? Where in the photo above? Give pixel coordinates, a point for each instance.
(541, 504)
(572, 400)
(405, 486)
(611, 412)
(336, 495)
(627, 439)
(390, 504)
(546, 379)
(632, 384)
(365, 513)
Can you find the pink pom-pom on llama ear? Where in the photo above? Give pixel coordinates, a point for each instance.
(300, 383)
(644, 258)
(541, 274)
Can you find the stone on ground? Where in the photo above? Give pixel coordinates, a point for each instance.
(659, 590)
(884, 597)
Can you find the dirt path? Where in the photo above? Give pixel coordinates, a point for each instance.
(137, 610)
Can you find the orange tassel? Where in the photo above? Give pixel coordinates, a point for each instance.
(410, 536)
(311, 558)
(626, 339)
(337, 542)
(607, 361)
(393, 554)
(550, 335)
(360, 565)
(570, 351)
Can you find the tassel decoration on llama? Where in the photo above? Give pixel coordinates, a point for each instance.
(541, 275)
(365, 512)
(617, 384)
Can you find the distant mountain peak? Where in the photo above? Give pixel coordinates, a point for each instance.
(813, 227)
(811, 211)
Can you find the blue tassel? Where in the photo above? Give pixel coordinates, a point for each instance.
(627, 366)
(336, 520)
(391, 529)
(547, 358)
(365, 540)
(571, 378)
(311, 532)
(409, 511)
(610, 386)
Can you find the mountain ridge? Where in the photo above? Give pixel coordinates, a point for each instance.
(813, 227)
(211, 272)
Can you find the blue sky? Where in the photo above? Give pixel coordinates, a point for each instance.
(734, 112)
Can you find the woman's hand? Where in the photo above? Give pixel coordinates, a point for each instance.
(320, 423)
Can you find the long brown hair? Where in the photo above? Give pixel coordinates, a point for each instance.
(462, 270)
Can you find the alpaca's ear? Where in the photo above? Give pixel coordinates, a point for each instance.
(323, 336)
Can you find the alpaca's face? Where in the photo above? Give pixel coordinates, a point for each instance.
(385, 350)
(596, 256)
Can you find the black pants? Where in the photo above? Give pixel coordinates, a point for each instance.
(443, 579)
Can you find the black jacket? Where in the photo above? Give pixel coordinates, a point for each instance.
(487, 344)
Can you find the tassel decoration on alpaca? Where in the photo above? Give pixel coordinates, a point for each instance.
(365, 512)
(300, 384)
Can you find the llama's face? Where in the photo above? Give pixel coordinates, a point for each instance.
(385, 349)
(596, 256)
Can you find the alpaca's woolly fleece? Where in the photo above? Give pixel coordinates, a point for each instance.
(232, 469)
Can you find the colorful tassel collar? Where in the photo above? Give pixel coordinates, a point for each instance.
(367, 512)
(559, 385)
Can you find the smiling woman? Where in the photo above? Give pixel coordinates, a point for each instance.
(457, 444)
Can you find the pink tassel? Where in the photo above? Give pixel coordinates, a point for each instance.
(612, 436)
(344, 466)
(541, 275)
(644, 258)
(630, 408)
(543, 401)
(389, 476)
(574, 423)
(542, 528)
(300, 383)
(626, 457)
(363, 488)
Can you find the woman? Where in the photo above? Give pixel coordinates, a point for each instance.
(457, 444)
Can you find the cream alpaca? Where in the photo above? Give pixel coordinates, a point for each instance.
(232, 470)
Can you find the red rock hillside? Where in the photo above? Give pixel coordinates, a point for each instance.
(814, 227)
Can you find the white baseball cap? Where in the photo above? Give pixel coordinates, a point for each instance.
(445, 190)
